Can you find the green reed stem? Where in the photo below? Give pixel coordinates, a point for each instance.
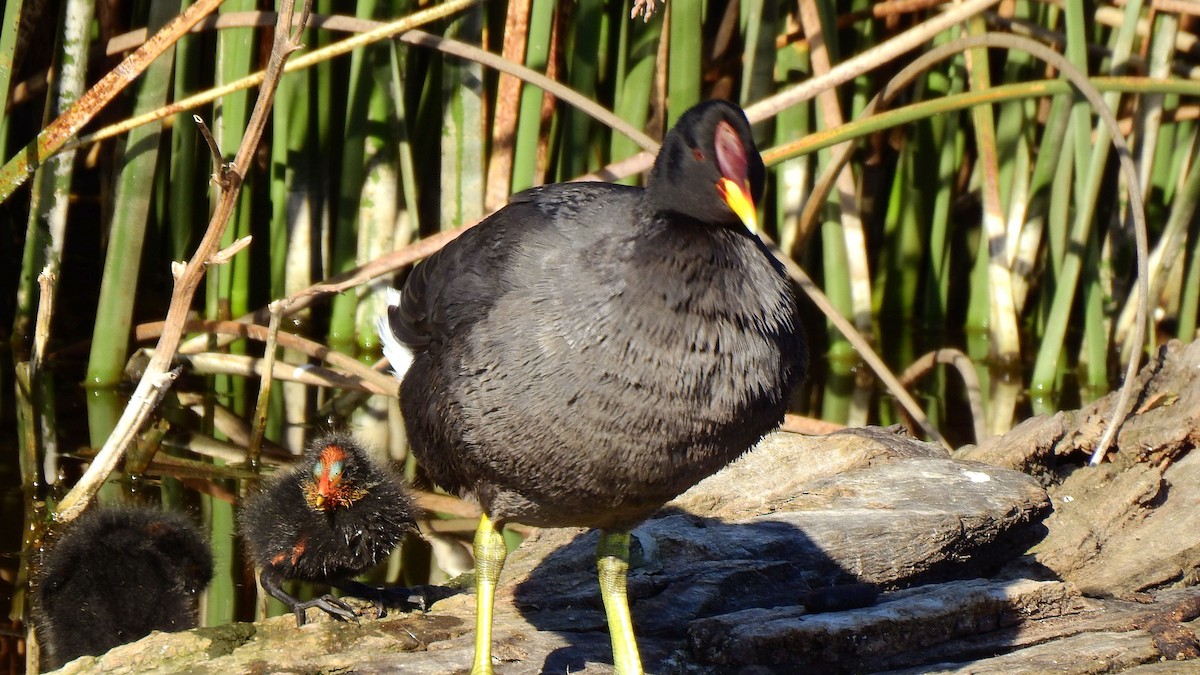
(685, 57)
(131, 214)
(583, 71)
(9, 29)
(346, 224)
(637, 52)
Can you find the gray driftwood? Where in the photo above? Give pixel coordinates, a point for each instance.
(862, 551)
(1133, 523)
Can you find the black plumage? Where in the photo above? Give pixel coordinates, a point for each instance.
(591, 350)
(116, 575)
(333, 516)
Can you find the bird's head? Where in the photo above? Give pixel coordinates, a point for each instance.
(331, 484)
(709, 168)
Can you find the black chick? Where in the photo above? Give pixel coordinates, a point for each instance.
(590, 351)
(116, 575)
(333, 516)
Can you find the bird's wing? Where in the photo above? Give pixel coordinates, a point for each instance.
(452, 285)
(459, 284)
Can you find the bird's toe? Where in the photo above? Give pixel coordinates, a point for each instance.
(332, 606)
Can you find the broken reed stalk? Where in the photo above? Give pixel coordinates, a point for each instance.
(158, 378)
(253, 331)
(262, 407)
(966, 369)
(22, 165)
(385, 31)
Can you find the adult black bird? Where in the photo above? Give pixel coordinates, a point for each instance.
(333, 516)
(116, 575)
(591, 351)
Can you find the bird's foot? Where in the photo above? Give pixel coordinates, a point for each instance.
(332, 606)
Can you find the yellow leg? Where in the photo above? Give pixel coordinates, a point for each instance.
(489, 560)
(612, 560)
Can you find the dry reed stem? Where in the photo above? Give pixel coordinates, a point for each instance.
(508, 102)
(157, 379)
(216, 363)
(966, 369)
(261, 408)
(310, 348)
(22, 165)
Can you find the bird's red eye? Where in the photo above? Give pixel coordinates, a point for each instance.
(697, 154)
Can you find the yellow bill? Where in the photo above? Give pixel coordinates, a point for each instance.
(738, 199)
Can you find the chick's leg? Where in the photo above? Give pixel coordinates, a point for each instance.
(272, 582)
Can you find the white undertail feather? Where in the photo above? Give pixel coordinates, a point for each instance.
(398, 355)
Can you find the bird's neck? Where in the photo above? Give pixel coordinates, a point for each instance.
(684, 265)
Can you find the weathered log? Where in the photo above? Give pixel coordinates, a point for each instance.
(784, 528)
(901, 622)
(1133, 523)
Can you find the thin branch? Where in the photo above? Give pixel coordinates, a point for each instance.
(220, 168)
(226, 254)
(262, 408)
(156, 379)
(413, 37)
(212, 363)
(22, 165)
(311, 348)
